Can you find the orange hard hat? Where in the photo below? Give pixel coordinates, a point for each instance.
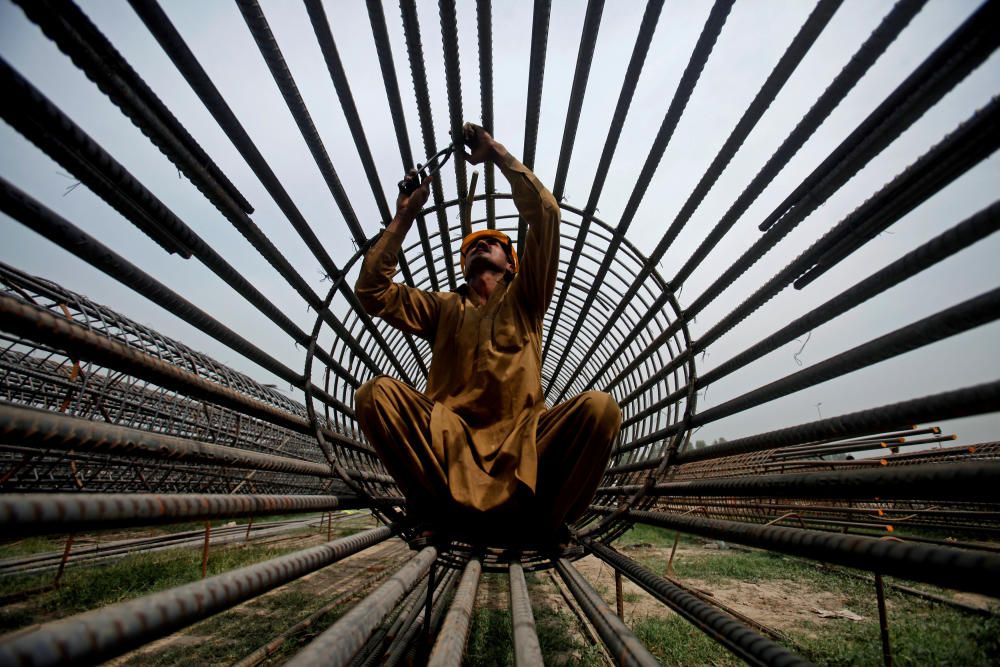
(469, 240)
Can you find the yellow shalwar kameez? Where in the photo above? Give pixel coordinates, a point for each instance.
(479, 442)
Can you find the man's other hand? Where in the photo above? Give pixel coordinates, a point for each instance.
(480, 143)
(409, 205)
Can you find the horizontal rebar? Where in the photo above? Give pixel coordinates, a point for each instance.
(949, 567)
(46, 513)
(101, 634)
(966, 402)
(956, 482)
(720, 626)
(41, 325)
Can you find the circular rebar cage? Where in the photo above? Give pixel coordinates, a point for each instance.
(745, 212)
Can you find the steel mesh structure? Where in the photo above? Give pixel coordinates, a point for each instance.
(106, 423)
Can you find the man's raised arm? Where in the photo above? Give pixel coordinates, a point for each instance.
(540, 263)
(406, 308)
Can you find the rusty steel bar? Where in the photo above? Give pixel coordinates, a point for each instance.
(746, 644)
(975, 400)
(99, 635)
(685, 88)
(43, 429)
(959, 569)
(415, 54)
(57, 229)
(958, 482)
(451, 640)
(380, 33)
(484, 31)
(619, 640)
(46, 513)
(541, 12)
(341, 641)
(527, 652)
(41, 325)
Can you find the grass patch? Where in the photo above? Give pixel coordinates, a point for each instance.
(655, 536)
(135, 575)
(674, 641)
(491, 640)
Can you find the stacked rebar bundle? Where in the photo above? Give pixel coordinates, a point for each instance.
(105, 423)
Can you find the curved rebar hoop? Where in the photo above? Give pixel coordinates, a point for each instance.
(106, 423)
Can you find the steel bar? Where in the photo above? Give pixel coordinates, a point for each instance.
(453, 82)
(253, 15)
(484, 31)
(101, 634)
(956, 482)
(959, 569)
(46, 513)
(341, 641)
(887, 31)
(57, 229)
(38, 324)
(978, 399)
(796, 51)
(721, 627)
(415, 53)
(410, 646)
(533, 109)
(527, 652)
(964, 234)
(451, 640)
(685, 88)
(948, 65)
(643, 40)
(380, 33)
(883, 621)
(172, 43)
(949, 322)
(584, 59)
(46, 430)
(619, 640)
(80, 39)
(41, 122)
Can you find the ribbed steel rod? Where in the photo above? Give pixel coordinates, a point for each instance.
(415, 54)
(634, 69)
(484, 30)
(975, 400)
(453, 82)
(952, 321)
(796, 51)
(57, 229)
(46, 513)
(450, 645)
(380, 33)
(959, 569)
(41, 325)
(533, 108)
(47, 429)
(957, 482)
(685, 88)
(721, 627)
(624, 647)
(341, 641)
(98, 635)
(971, 230)
(880, 39)
(527, 652)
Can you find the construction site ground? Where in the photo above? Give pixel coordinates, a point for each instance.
(829, 616)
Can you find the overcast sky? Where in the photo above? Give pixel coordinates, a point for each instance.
(755, 35)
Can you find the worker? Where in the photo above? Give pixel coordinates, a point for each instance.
(478, 451)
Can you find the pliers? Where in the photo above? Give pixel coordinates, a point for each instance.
(416, 176)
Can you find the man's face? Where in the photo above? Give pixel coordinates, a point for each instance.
(486, 254)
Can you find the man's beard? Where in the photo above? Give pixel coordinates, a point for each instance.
(481, 263)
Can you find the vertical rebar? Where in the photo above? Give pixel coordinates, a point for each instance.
(883, 620)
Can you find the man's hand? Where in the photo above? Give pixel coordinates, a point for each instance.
(409, 205)
(481, 145)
